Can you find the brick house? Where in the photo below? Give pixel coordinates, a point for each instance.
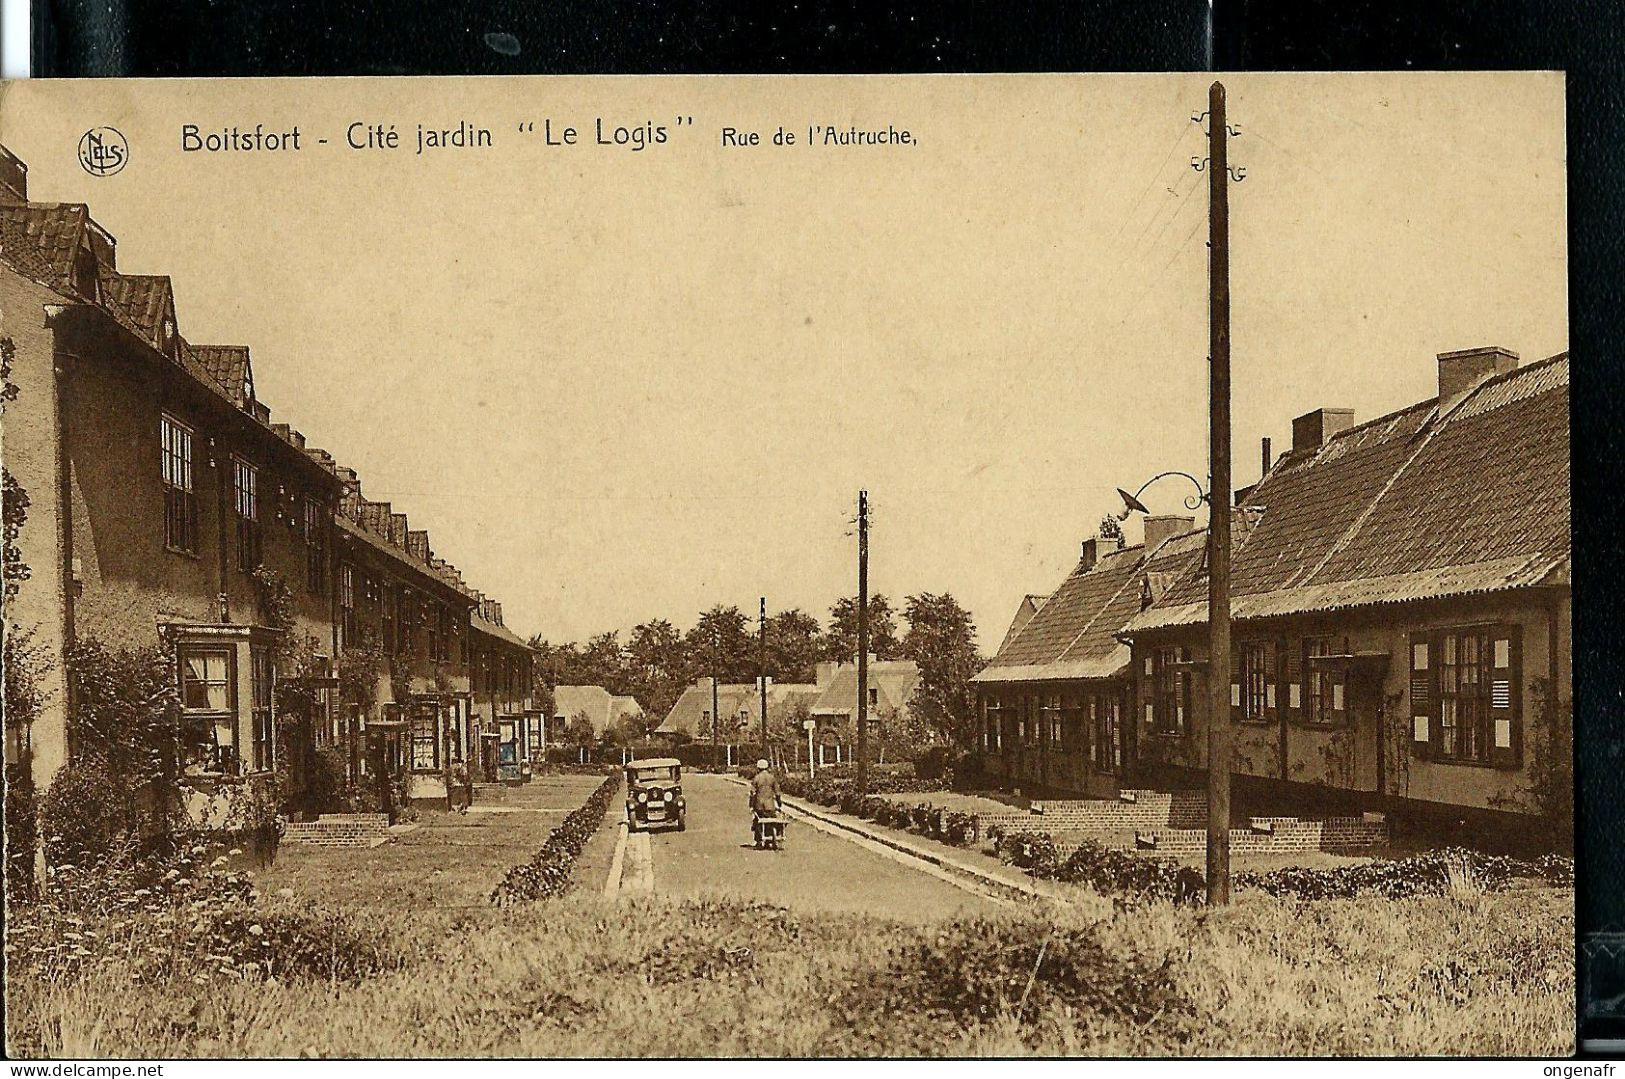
(1055, 703)
(1401, 597)
(402, 622)
(163, 501)
(508, 724)
(165, 505)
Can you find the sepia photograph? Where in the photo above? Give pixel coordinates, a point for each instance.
(789, 567)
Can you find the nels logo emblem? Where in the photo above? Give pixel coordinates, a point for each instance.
(103, 151)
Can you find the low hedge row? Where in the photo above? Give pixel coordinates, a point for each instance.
(922, 818)
(1110, 872)
(1428, 873)
(1119, 873)
(548, 873)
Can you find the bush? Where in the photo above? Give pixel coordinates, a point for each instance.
(84, 814)
(981, 970)
(1429, 873)
(548, 873)
(1119, 874)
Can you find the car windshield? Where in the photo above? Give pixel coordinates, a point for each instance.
(655, 775)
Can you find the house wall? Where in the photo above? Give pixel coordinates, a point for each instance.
(31, 454)
(1035, 763)
(1373, 755)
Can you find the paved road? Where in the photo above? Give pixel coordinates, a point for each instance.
(816, 871)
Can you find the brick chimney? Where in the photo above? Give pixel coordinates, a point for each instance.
(1312, 430)
(1163, 526)
(1460, 373)
(1089, 554)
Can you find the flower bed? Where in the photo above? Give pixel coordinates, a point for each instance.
(548, 873)
(1110, 872)
(1429, 873)
(1120, 874)
(922, 818)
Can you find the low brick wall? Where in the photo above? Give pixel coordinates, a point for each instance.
(340, 830)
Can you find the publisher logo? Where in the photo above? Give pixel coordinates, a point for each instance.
(103, 151)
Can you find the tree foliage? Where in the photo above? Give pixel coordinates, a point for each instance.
(841, 639)
(941, 639)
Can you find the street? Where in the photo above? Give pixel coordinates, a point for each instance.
(815, 872)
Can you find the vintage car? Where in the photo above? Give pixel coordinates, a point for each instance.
(654, 794)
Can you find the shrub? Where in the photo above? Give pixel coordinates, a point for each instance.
(83, 815)
(548, 873)
(1429, 873)
(1119, 874)
(982, 970)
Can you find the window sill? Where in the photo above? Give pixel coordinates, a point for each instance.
(1311, 725)
(1243, 722)
(1487, 765)
(184, 553)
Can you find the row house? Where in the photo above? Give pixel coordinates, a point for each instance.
(510, 725)
(1057, 701)
(166, 508)
(163, 504)
(1401, 615)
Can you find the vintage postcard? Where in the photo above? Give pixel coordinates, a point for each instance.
(787, 567)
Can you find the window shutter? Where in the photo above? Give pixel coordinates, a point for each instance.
(1422, 709)
(1237, 711)
(1292, 667)
(1506, 727)
(1184, 692)
(1272, 680)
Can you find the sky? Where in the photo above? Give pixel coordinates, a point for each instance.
(617, 386)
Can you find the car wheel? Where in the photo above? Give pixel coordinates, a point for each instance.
(682, 824)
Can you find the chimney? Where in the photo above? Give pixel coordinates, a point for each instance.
(1311, 430)
(13, 178)
(1460, 373)
(824, 672)
(1089, 555)
(1264, 457)
(1163, 526)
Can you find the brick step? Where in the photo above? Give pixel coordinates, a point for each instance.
(340, 830)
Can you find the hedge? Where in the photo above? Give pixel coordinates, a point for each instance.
(923, 818)
(548, 873)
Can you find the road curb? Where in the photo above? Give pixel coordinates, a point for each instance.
(950, 867)
(617, 863)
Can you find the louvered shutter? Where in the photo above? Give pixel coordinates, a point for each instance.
(1292, 668)
(1237, 688)
(1272, 679)
(1183, 696)
(1423, 720)
(1506, 726)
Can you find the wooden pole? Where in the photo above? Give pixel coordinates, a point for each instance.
(1218, 580)
(761, 678)
(860, 713)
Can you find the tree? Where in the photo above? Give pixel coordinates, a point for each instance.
(794, 645)
(841, 639)
(942, 641)
(722, 644)
(579, 731)
(657, 664)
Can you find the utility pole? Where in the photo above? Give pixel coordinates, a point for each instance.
(1218, 532)
(861, 712)
(716, 717)
(761, 679)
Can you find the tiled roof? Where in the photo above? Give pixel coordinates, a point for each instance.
(601, 707)
(41, 239)
(144, 299)
(492, 629)
(687, 715)
(1074, 634)
(227, 365)
(1024, 612)
(895, 679)
(1410, 506)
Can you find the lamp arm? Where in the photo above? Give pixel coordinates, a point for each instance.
(1191, 502)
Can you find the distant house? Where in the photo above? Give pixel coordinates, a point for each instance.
(738, 703)
(602, 708)
(891, 685)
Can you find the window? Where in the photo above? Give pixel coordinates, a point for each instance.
(1256, 695)
(1323, 697)
(1171, 692)
(1049, 708)
(448, 629)
(389, 609)
(874, 697)
(1465, 695)
(208, 705)
(425, 739)
(995, 725)
(1075, 727)
(180, 498)
(245, 489)
(264, 734)
(315, 546)
(435, 626)
(347, 626)
(1106, 716)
